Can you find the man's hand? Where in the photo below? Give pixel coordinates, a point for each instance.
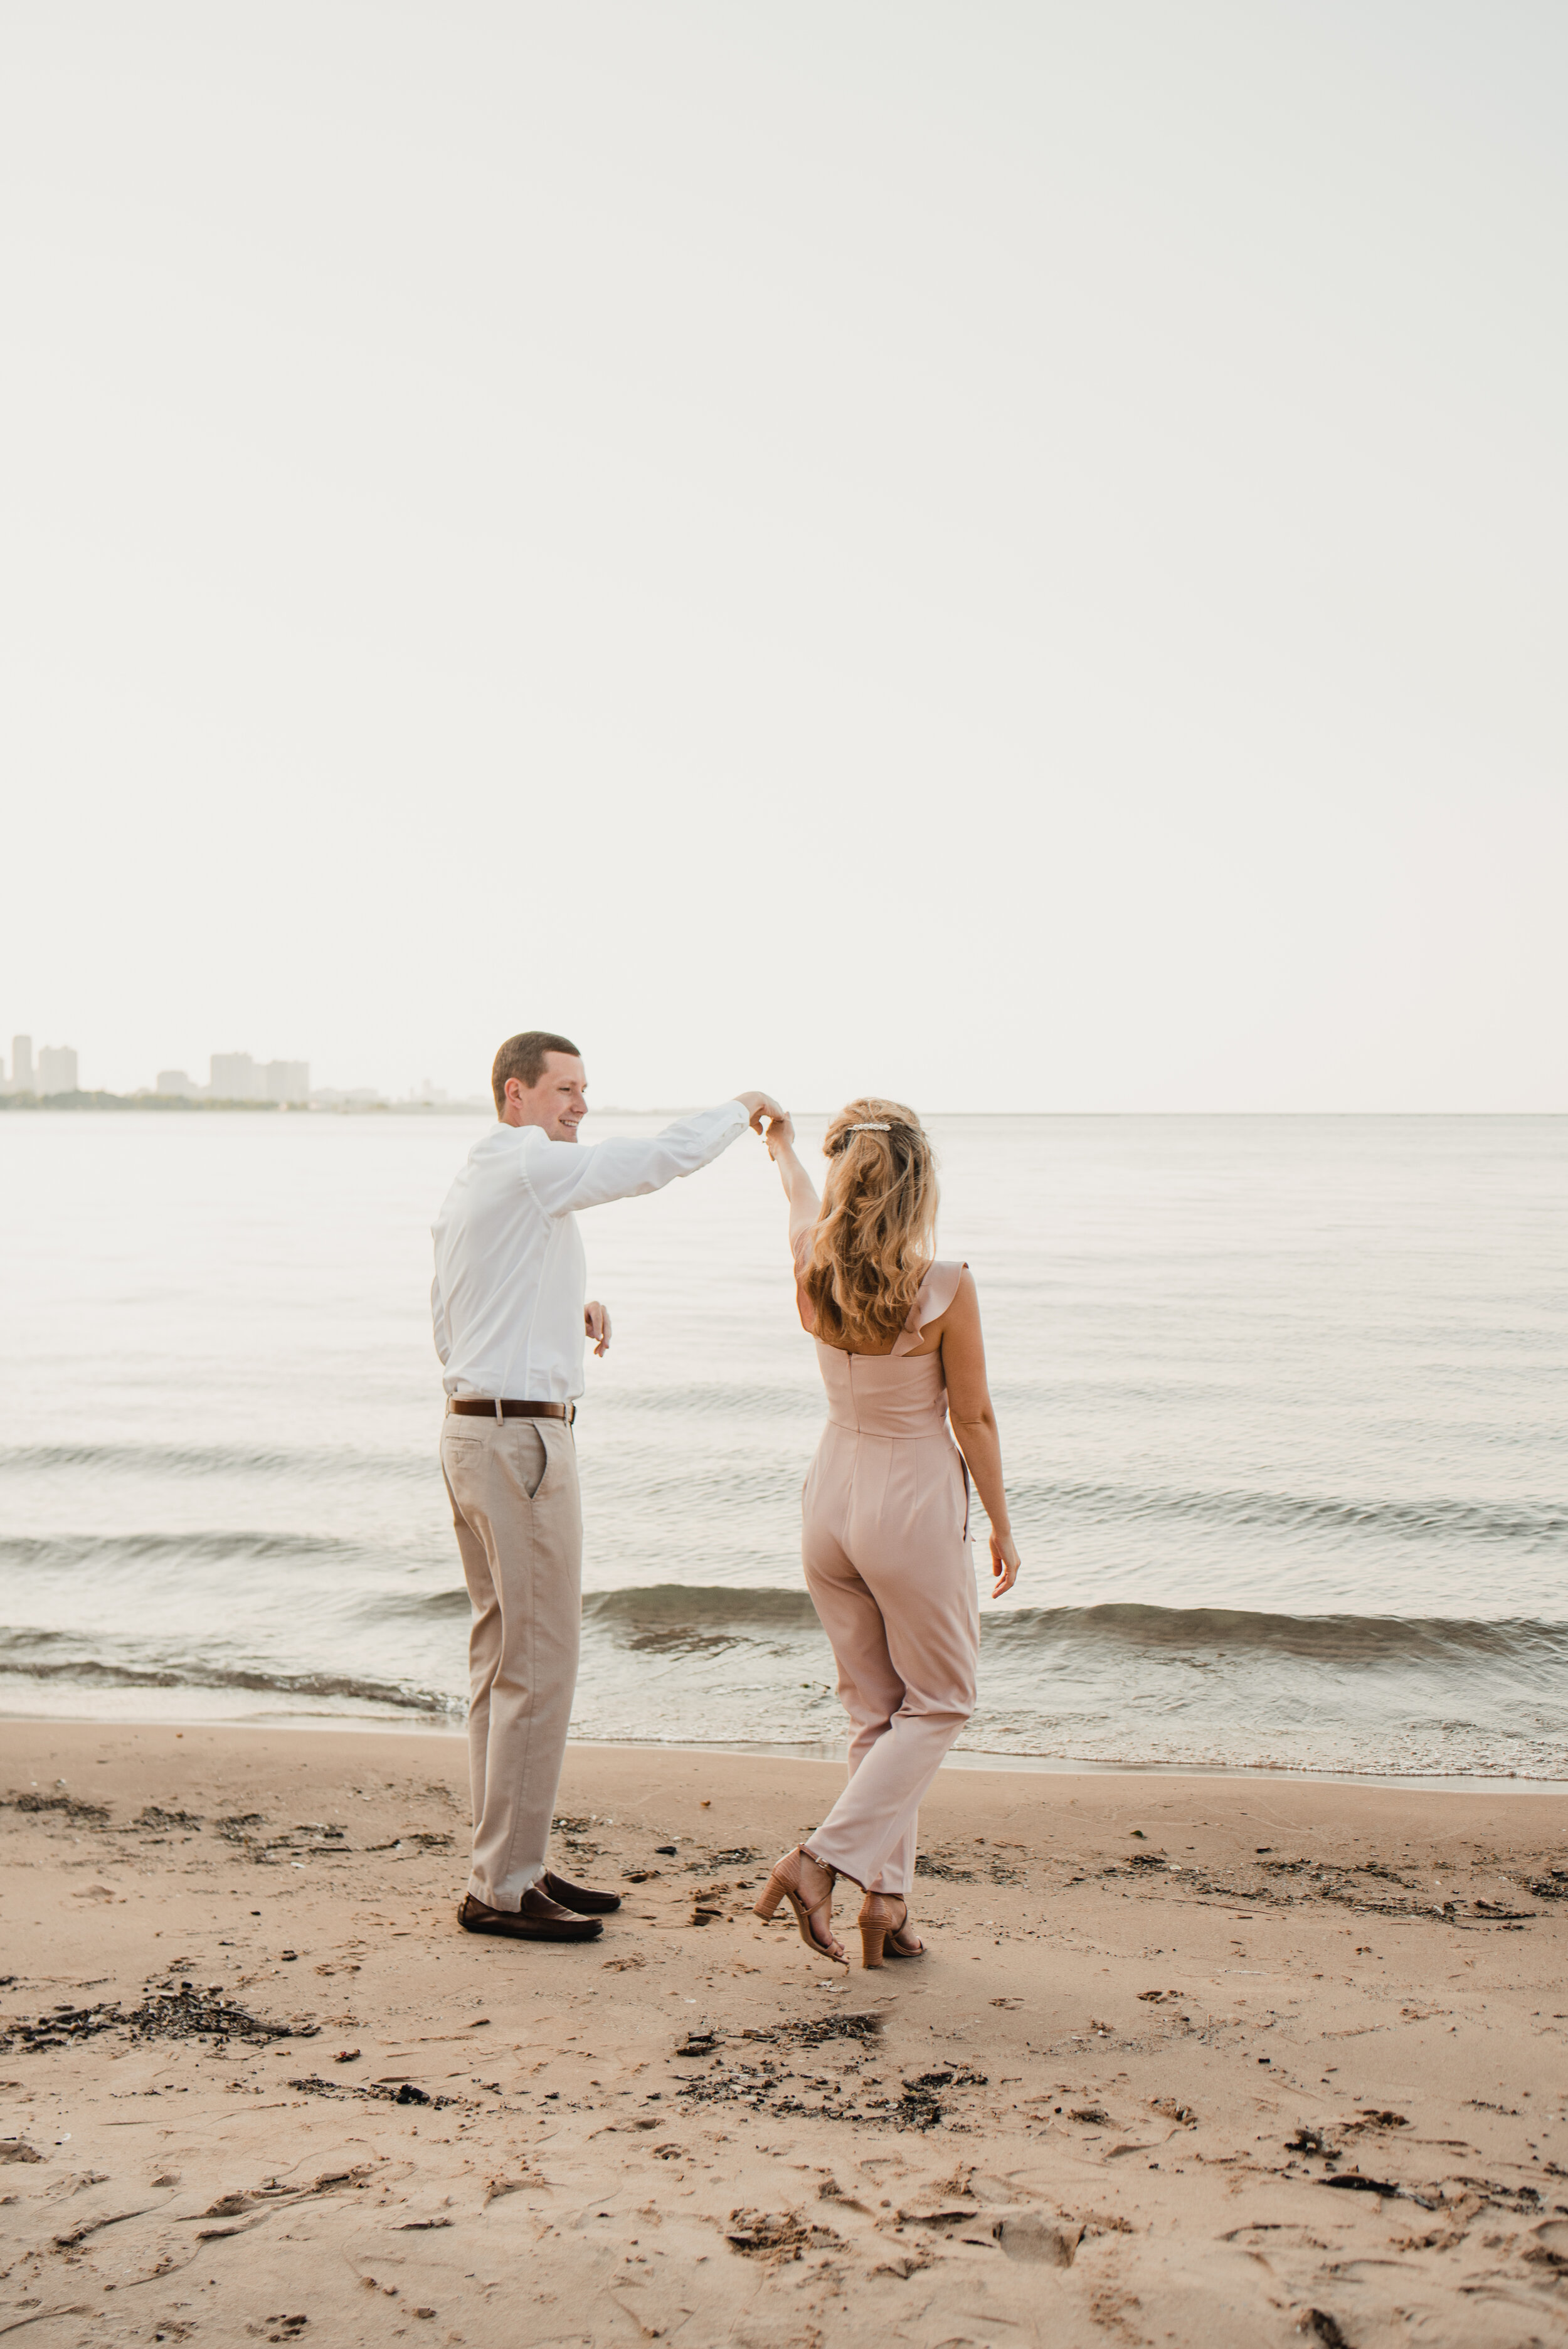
(757, 1106)
(1005, 1563)
(596, 1325)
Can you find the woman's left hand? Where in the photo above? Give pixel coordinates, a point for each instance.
(1005, 1563)
(779, 1133)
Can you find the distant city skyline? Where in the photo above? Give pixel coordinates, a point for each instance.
(230, 1076)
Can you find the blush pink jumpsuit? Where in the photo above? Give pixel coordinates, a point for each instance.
(885, 1543)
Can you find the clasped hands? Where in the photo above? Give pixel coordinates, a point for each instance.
(761, 1106)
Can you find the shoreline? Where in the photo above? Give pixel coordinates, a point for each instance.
(1001, 1764)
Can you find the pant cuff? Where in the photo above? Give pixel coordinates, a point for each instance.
(822, 1860)
(507, 1897)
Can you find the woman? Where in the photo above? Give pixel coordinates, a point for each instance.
(886, 1504)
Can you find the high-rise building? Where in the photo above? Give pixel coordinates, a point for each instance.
(57, 1069)
(175, 1081)
(286, 1080)
(235, 1077)
(22, 1064)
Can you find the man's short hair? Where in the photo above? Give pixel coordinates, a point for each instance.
(522, 1056)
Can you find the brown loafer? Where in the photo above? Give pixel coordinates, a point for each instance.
(578, 1897)
(538, 1920)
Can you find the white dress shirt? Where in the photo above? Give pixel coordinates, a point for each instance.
(511, 1276)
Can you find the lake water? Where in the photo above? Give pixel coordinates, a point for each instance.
(1282, 1405)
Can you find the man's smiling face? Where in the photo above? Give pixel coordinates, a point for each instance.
(556, 1103)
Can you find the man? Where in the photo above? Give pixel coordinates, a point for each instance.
(510, 1319)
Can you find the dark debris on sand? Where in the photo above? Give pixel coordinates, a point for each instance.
(378, 2092)
(770, 2083)
(186, 2012)
(78, 1814)
(1285, 1883)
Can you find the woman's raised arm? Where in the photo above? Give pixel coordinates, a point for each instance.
(798, 1188)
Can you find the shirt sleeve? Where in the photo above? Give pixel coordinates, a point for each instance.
(439, 1323)
(566, 1176)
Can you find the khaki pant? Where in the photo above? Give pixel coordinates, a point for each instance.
(519, 1520)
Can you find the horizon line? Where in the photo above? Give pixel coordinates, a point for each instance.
(85, 1102)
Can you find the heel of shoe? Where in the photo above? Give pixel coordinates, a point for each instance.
(874, 1940)
(767, 1902)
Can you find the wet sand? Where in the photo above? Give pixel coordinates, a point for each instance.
(1191, 2060)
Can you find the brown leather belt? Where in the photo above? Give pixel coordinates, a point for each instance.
(479, 1407)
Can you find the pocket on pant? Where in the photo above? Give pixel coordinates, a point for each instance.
(530, 1455)
(460, 1452)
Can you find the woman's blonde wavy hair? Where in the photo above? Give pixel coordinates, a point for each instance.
(876, 1229)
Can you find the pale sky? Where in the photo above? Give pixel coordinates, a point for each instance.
(1010, 556)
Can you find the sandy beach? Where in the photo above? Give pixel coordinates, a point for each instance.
(1191, 2060)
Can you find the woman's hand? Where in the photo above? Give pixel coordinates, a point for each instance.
(596, 1325)
(779, 1132)
(1005, 1563)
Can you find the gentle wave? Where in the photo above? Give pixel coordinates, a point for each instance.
(1118, 1684)
(417, 1605)
(700, 1606)
(1328, 1638)
(1533, 1528)
(1323, 1638)
(740, 1610)
(101, 1671)
(216, 1459)
(33, 1552)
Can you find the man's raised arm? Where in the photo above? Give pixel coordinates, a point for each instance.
(567, 1176)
